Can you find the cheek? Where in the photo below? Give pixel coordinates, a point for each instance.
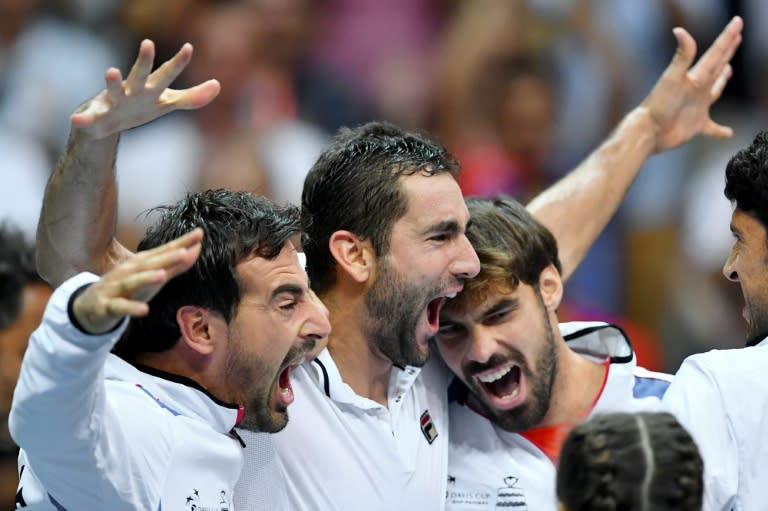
(451, 353)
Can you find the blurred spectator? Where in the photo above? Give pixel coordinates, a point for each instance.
(384, 50)
(23, 296)
(40, 83)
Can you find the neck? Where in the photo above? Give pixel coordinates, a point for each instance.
(577, 384)
(361, 365)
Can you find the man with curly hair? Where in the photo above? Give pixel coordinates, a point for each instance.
(720, 396)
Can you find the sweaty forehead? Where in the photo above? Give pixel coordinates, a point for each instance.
(437, 198)
(261, 275)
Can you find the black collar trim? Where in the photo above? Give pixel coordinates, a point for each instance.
(183, 380)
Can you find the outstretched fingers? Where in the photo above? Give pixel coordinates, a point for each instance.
(171, 69)
(193, 97)
(720, 82)
(142, 67)
(174, 257)
(684, 54)
(717, 56)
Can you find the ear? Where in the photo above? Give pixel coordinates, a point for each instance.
(353, 255)
(199, 328)
(551, 287)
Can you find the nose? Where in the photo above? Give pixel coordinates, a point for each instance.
(466, 264)
(729, 268)
(317, 327)
(481, 345)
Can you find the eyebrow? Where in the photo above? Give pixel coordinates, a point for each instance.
(287, 288)
(504, 303)
(444, 226)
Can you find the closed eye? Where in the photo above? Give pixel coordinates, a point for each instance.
(497, 317)
(450, 331)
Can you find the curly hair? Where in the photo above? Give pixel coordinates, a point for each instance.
(746, 179)
(354, 186)
(630, 462)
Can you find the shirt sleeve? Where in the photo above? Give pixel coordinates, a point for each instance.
(60, 413)
(696, 399)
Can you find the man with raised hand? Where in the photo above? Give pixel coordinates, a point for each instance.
(145, 418)
(386, 245)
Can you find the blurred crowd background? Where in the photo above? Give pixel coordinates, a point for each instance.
(519, 90)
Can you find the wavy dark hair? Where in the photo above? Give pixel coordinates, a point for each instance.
(236, 225)
(354, 186)
(746, 179)
(630, 462)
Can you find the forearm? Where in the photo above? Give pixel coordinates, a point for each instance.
(77, 223)
(578, 207)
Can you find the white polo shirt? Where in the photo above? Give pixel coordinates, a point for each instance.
(490, 468)
(721, 397)
(341, 451)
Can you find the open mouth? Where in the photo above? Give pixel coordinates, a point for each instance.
(502, 384)
(284, 389)
(433, 313)
(434, 307)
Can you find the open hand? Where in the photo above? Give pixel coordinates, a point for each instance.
(143, 96)
(126, 289)
(680, 100)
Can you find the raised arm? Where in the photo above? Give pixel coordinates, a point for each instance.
(79, 214)
(67, 426)
(578, 207)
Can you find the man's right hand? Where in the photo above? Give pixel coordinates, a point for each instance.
(142, 97)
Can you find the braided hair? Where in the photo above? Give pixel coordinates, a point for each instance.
(630, 462)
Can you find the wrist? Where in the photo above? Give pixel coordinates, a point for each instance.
(640, 127)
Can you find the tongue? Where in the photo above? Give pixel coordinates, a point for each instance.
(433, 312)
(284, 381)
(505, 385)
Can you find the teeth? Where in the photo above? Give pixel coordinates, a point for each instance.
(452, 295)
(285, 391)
(512, 394)
(495, 375)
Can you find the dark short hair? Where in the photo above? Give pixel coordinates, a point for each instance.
(236, 225)
(354, 186)
(746, 179)
(17, 270)
(511, 244)
(605, 460)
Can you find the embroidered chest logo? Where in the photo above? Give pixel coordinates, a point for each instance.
(511, 495)
(428, 427)
(193, 502)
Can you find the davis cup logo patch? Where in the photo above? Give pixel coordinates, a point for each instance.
(428, 427)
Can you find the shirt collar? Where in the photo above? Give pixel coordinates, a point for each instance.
(328, 378)
(177, 394)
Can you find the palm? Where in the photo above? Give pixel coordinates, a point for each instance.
(143, 96)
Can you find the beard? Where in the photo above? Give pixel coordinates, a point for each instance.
(251, 373)
(758, 323)
(539, 380)
(394, 308)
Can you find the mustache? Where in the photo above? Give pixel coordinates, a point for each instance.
(472, 368)
(297, 353)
